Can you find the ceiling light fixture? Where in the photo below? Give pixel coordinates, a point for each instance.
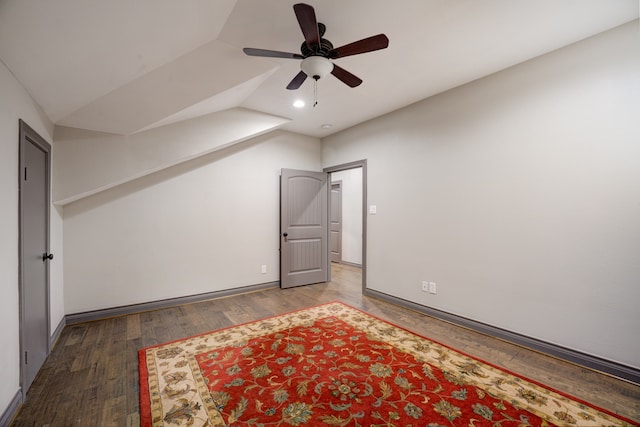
(298, 103)
(316, 67)
(326, 126)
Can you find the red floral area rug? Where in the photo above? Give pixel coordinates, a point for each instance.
(334, 365)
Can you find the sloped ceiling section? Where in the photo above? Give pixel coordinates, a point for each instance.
(121, 67)
(70, 53)
(204, 75)
(228, 99)
(106, 160)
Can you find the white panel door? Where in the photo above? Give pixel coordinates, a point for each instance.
(303, 228)
(335, 221)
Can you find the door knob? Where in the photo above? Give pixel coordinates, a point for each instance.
(46, 256)
(285, 236)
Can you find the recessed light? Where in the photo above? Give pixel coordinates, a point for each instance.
(298, 103)
(326, 126)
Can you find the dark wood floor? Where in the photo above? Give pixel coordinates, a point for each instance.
(91, 376)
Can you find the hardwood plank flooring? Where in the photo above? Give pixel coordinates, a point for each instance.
(91, 376)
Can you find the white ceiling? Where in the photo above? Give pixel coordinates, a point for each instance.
(123, 66)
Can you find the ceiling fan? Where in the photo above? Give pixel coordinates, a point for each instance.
(316, 53)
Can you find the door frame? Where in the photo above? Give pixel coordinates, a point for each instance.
(29, 136)
(354, 165)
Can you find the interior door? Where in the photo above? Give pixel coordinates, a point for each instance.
(335, 221)
(303, 228)
(34, 252)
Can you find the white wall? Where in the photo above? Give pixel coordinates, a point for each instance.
(202, 226)
(519, 195)
(16, 104)
(351, 214)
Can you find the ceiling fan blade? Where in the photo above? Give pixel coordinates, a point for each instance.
(297, 81)
(271, 53)
(361, 46)
(346, 77)
(308, 23)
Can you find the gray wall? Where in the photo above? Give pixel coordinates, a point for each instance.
(519, 195)
(205, 225)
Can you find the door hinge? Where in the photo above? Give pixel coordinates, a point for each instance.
(26, 358)
(25, 173)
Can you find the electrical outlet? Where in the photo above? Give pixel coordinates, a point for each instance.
(432, 288)
(263, 269)
(425, 286)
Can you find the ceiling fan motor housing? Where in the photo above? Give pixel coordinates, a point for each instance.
(321, 49)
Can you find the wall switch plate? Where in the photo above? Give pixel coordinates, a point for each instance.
(263, 269)
(373, 209)
(432, 288)
(425, 286)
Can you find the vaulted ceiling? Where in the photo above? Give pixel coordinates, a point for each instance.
(123, 66)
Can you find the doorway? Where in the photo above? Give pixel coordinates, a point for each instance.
(352, 178)
(34, 202)
(304, 232)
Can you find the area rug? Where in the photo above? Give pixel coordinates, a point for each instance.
(334, 365)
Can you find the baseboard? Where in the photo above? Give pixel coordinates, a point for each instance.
(586, 360)
(106, 313)
(11, 410)
(352, 264)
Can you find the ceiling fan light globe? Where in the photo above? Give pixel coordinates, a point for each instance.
(316, 67)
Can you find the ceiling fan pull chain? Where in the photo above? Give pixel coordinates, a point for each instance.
(315, 92)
